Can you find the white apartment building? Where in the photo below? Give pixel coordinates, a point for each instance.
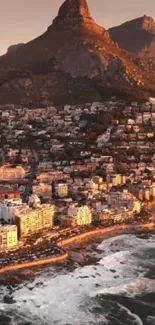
(7, 208)
(81, 214)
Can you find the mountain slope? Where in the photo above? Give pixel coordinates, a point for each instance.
(73, 50)
(136, 36)
(13, 48)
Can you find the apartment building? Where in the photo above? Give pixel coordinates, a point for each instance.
(8, 237)
(7, 207)
(81, 214)
(31, 220)
(116, 179)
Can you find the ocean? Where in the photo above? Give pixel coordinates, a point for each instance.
(117, 290)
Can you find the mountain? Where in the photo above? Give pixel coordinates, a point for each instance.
(136, 36)
(75, 60)
(13, 48)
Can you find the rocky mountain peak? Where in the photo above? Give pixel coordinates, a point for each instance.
(72, 9)
(74, 58)
(148, 23)
(72, 14)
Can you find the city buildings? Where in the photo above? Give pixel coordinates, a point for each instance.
(31, 220)
(42, 189)
(7, 207)
(80, 214)
(116, 179)
(62, 190)
(79, 158)
(8, 173)
(8, 237)
(124, 199)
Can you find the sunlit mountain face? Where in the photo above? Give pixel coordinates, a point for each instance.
(118, 289)
(75, 60)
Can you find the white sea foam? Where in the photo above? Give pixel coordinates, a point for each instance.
(134, 288)
(135, 318)
(66, 299)
(126, 242)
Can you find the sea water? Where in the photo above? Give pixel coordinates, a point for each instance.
(119, 289)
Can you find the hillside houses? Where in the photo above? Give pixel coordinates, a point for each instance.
(92, 150)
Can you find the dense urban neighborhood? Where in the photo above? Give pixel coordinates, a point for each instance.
(77, 163)
(73, 167)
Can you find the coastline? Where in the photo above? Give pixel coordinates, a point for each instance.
(113, 230)
(109, 230)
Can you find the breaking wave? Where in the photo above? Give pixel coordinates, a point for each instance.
(140, 286)
(72, 298)
(135, 318)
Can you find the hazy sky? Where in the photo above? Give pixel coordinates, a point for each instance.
(23, 20)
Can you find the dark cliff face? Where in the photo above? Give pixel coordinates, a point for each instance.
(73, 50)
(136, 36)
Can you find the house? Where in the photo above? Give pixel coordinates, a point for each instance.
(12, 173)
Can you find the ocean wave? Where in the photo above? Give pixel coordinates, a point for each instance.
(125, 242)
(134, 317)
(64, 299)
(70, 298)
(140, 286)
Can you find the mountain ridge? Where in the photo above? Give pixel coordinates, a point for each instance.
(75, 48)
(136, 36)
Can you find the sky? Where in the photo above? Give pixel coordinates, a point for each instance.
(21, 21)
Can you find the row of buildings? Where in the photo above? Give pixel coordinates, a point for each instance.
(22, 220)
(26, 220)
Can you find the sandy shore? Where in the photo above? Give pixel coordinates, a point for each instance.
(75, 240)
